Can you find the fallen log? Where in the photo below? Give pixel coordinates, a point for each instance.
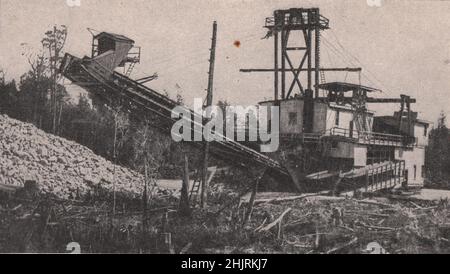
(376, 227)
(289, 198)
(368, 202)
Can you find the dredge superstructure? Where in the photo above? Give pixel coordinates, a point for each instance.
(330, 139)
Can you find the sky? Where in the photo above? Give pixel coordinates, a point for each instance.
(403, 46)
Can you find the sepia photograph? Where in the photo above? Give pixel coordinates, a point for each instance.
(235, 128)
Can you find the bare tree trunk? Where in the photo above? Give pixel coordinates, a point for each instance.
(115, 163)
(145, 197)
(59, 117)
(54, 76)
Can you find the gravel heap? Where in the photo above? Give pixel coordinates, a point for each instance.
(59, 166)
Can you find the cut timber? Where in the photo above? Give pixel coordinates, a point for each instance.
(292, 198)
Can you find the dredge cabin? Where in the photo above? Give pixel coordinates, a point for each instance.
(347, 140)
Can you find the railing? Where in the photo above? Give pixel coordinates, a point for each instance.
(301, 136)
(365, 137)
(385, 176)
(289, 20)
(373, 178)
(134, 55)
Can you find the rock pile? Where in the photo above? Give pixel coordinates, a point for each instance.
(59, 166)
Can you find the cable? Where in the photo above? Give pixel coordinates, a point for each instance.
(345, 59)
(159, 61)
(386, 89)
(198, 53)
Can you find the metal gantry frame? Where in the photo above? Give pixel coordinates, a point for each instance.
(309, 23)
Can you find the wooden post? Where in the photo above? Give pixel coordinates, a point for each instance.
(209, 99)
(184, 207)
(367, 180)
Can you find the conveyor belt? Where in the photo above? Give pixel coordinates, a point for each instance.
(141, 99)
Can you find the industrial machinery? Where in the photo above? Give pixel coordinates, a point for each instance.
(329, 137)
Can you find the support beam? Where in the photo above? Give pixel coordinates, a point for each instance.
(376, 100)
(283, 64)
(388, 100)
(147, 78)
(308, 52)
(276, 66)
(304, 69)
(296, 48)
(317, 68)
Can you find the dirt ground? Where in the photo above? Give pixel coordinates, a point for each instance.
(310, 224)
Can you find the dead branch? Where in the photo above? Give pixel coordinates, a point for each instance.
(352, 242)
(232, 201)
(261, 226)
(376, 227)
(274, 223)
(313, 235)
(415, 205)
(347, 228)
(186, 248)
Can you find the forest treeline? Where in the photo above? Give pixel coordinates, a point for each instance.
(40, 97)
(437, 159)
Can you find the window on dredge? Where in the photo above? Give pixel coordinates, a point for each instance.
(337, 118)
(334, 145)
(292, 118)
